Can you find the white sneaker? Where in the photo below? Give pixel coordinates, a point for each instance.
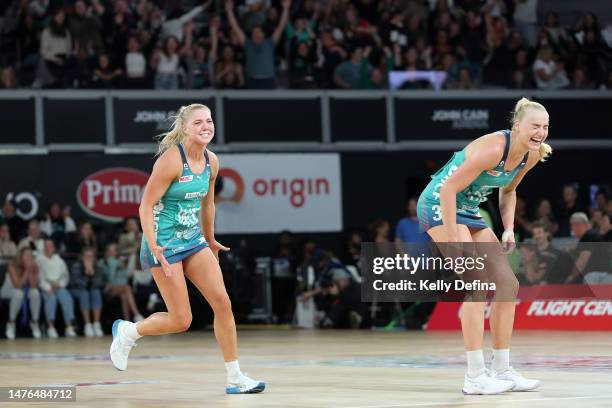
(121, 345)
(52, 333)
(69, 332)
(35, 329)
(97, 329)
(520, 383)
(10, 330)
(244, 385)
(88, 330)
(138, 318)
(484, 384)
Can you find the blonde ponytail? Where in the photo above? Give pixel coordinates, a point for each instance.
(519, 112)
(176, 135)
(545, 151)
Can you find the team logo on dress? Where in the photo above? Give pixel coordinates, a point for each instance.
(185, 179)
(494, 173)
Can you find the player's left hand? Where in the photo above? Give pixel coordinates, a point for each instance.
(508, 243)
(215, 247)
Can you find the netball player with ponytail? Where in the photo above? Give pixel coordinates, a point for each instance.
(177, 214)
(448, 211)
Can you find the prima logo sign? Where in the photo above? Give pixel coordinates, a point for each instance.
(112, 194)
(463, 118)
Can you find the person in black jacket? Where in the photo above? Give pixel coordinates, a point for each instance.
(87, 282)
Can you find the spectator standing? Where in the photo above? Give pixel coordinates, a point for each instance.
(135, 65)
(259, 50)
(56, 48)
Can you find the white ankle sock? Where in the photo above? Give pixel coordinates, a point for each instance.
(475, 362)
(131, 331)
(233, 369)
(501, 360)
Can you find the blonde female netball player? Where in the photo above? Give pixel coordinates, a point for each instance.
(448, 211)
(177, 214)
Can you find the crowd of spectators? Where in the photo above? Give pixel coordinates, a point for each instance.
(56, 260)
(53, 261)
(299, 44)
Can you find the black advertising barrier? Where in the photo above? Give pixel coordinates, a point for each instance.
(17, 119)
(577, 118)
(277, 119)
(272, 120)
(140, 120)
(362, 120)
(448, 119)
(464, 118)
(74, 120)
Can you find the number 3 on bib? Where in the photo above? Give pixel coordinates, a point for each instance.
(438, 215)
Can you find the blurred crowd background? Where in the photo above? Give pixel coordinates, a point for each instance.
(304, 44)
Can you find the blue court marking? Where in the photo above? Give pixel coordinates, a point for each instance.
(99, 383)
(82, 357)
(523, 361)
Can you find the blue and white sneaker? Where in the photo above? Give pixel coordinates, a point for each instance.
(121, 345)
(244, 385)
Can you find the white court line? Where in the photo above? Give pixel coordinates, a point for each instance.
(484, 401)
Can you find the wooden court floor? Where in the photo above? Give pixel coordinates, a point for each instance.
(344, 369)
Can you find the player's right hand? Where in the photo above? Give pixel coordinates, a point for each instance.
(158, 252)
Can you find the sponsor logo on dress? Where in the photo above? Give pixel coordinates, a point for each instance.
(185, 179)
(494, 173)
(197, 194)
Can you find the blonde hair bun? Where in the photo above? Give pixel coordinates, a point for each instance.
(520, 109)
